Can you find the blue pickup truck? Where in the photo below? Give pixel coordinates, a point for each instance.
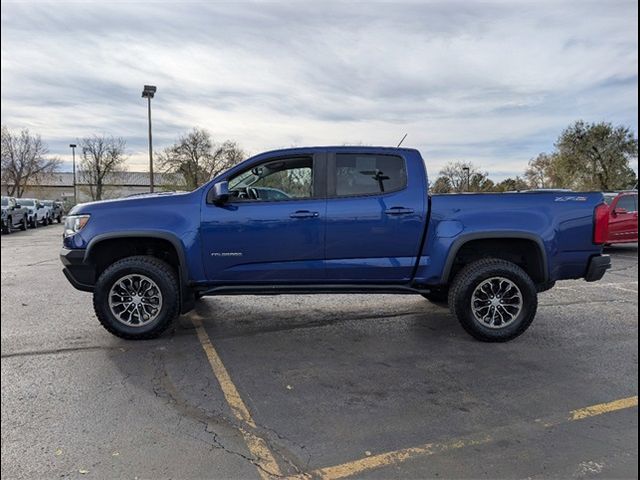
(332, 220)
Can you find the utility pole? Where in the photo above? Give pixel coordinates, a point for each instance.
(466, 170)
(148, 92)
(73, 152)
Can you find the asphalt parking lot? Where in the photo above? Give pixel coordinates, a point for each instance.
(384, 386)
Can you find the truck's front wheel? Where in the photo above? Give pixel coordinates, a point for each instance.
(494, 300)
(137, 297)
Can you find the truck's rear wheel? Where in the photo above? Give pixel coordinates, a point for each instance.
(137, 297)
(23, 224)
(494, 300)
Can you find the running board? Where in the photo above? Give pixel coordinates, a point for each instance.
(310, 289)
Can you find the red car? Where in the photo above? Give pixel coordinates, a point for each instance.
(623, 217)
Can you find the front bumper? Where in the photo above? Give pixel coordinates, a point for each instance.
(598, 265)
(81, 275)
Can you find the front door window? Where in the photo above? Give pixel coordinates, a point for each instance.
(276, 180)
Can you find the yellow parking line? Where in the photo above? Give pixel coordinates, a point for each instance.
(266, 462)
(396, 457)
(392, 458)
(268, 466)
(601, 408)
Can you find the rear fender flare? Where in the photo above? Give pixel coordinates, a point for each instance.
(459, 242)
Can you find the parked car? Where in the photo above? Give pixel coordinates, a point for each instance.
(356, 220)
(56, 209)
(37, 212)
(623, 217)
(14, 215)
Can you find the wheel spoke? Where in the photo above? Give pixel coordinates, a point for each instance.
(135, 300)
(496, 302)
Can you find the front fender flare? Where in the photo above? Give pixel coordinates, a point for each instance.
(186, 297)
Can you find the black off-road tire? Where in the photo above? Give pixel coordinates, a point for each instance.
(24, 225)
(59, 219)
(473, 275)
(6, 228)
(34, 222)
(158, 271)
(439, 297)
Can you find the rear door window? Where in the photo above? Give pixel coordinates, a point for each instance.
(365, 174)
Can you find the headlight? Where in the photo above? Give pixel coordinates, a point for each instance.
(74, 223)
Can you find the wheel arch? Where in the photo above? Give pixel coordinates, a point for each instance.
(539, 272)
(140, 238)
(92, 247)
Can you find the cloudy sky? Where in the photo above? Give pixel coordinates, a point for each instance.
(489, 82)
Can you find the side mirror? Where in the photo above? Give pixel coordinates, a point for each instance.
(219, 193)
(619, 211)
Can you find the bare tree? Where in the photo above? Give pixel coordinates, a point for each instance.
(441, 185)
(197, 157)
(23, 160)
(542, 171)
(511, 185)
(101, 156)
(454, 177)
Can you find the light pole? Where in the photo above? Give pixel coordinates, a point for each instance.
(466, 171)
(148, 92)
(73, 152)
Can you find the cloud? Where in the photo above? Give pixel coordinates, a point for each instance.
(490, 82)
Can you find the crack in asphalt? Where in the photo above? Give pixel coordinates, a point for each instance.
(164, 388)
(58, 351)
(41, 262)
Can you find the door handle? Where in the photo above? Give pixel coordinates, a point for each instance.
(304, 214)
(398, 211)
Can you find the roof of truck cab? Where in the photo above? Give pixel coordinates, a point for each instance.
(338, 148)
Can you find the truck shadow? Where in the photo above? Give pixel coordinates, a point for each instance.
(628, 248)
(323, 376)
(224, 318)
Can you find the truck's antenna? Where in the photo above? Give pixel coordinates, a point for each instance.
(405, 136)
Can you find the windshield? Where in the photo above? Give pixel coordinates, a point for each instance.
(48, 203)
(5, 202)
(26, 202)
(609, 198)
